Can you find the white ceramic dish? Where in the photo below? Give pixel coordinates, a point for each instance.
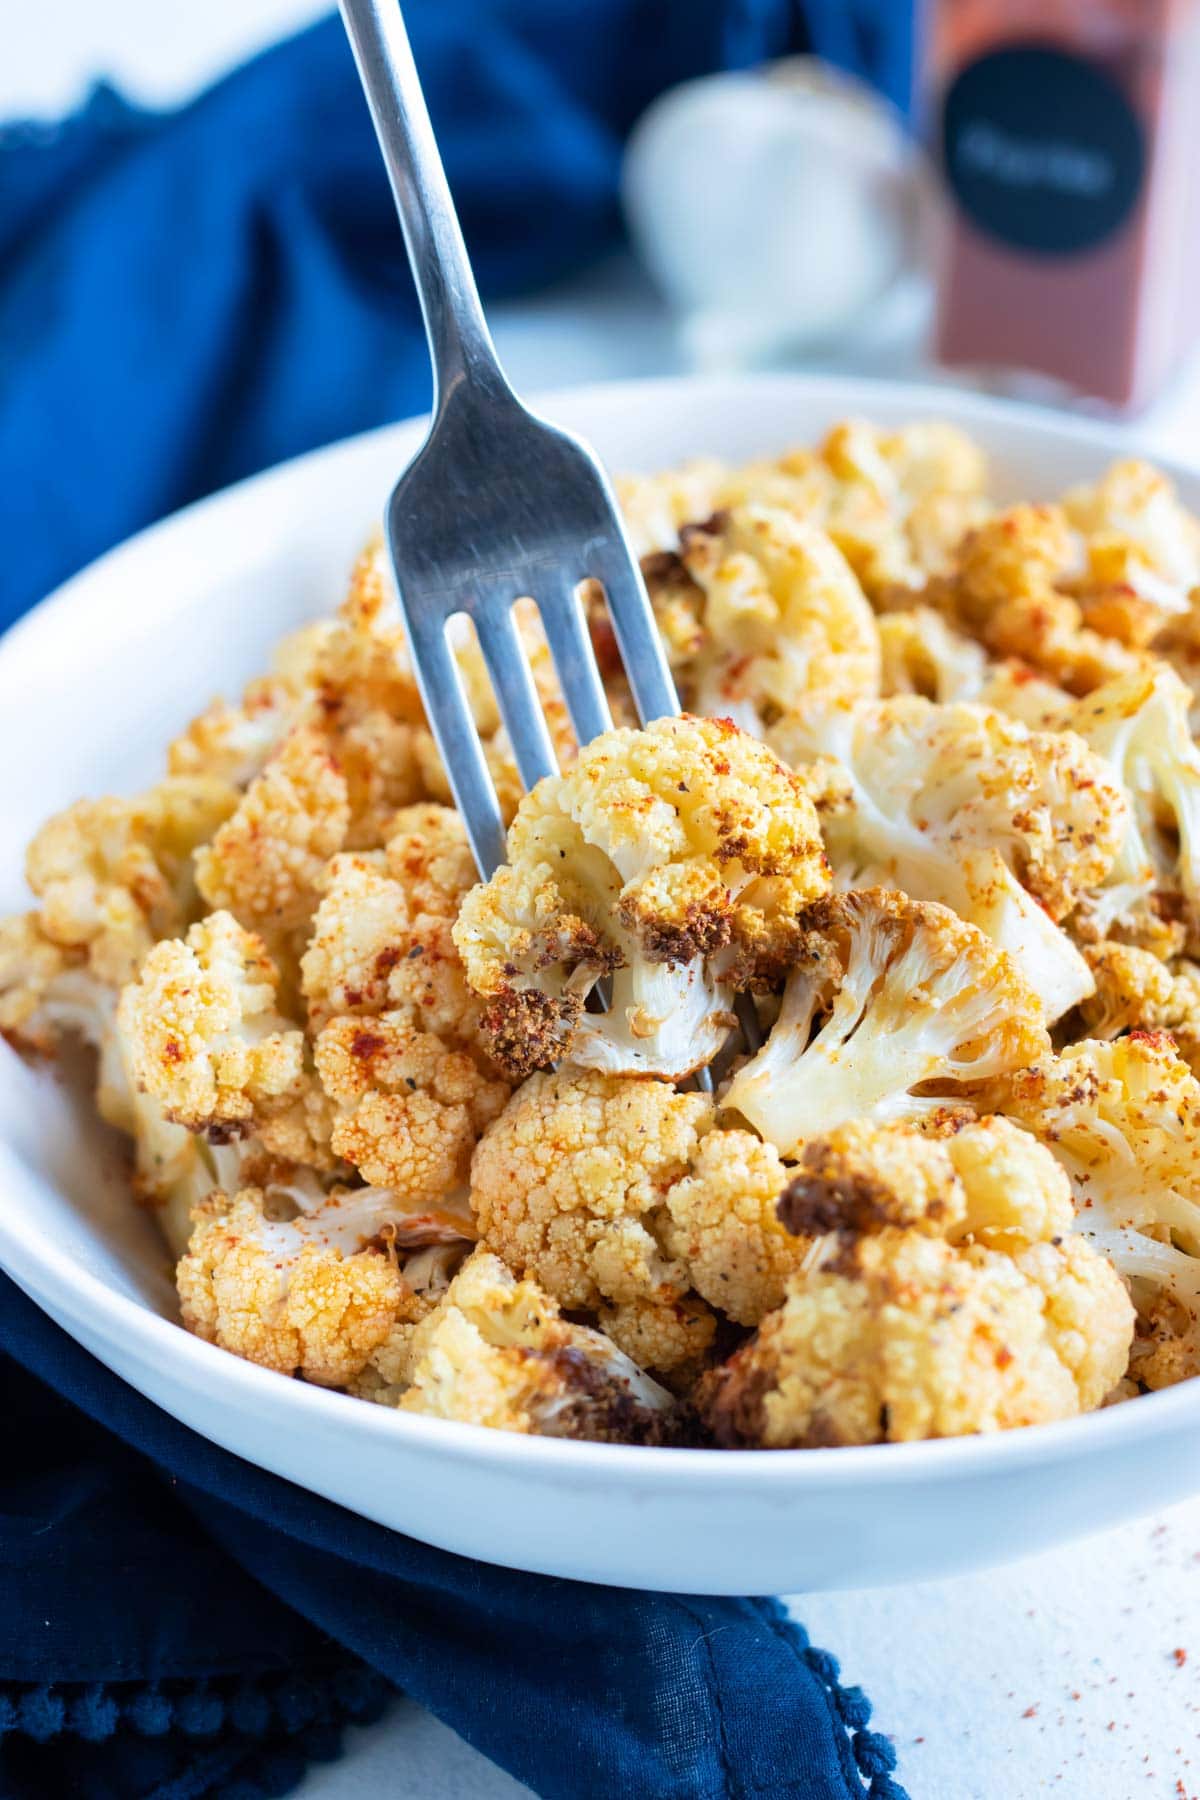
(91, 686)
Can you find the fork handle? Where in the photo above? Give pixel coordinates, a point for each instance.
(460, 344)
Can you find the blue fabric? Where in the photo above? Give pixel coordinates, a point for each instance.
(185, 298)
(177, 1624)
(188, 297)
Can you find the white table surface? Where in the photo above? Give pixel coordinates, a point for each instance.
(1074, 1674)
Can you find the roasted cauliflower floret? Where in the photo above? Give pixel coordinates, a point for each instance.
(655, 506)
(232, 742)
(784, 616)
(674, 859)
(887, 996)
(568, 1185)
(1123, 1119)
(923, 654)
(265, 864)
(1005, 588)
(114, 876)
(1142, 551)
(1139, 725)
(313, 1295)
(904, 1337)
(382, 934)
(965, 807)
(47, 992)
(895, 503)
(202, 1033)
(410, 1109)
(722, 1225)
(1136, 991)
(944, 1293)
(496, 1351)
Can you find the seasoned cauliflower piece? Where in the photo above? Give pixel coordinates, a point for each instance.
(783, 617)
(233, 742)
(962, 806)
(904, 1337)
(266, 862)
(47, 992)
(721, 1224)
(1142, 549)
(902, 994)
(201, 1030)
(946, 1295)
(922, 654)
(382, 934)
(1006, 588)
(1015, 689)
(675, 859)
(410, 1110)
(311, 1295)
(1135, 991)
(567, 1186)
(496, 1351)
(1123, 1119)
(655, 506)
(1139, 725)
(114, 876)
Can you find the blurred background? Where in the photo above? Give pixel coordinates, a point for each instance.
(200, 272)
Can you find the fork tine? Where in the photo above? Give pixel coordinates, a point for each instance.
(453, 727)
(636, 632)
(516, 696)
(575, 661)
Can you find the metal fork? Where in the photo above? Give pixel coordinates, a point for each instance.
(498, 505)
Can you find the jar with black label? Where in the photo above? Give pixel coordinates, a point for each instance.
(1068, 134)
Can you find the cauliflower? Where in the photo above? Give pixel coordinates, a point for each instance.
(1136, 991)
(202, 1033)
(675, 859)
(382, 933)
(903, 994)
(1018, 691)
(721, 1225)
(567, 1187)
(655, 506)
(313, 1295)
(1139, 725)
(783, 617)
(114, 876)
(962, 806)
(902, 500)
(895, 503)
(922, 654)
(410, 1110)
(347, 685)
(1123, 1119)
(48, 992)
(496, 1351)
(232, 743)
(943, 1293)
(1142, 551)
(265, 864)
(1005, 588)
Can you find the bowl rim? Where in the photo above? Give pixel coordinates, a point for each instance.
(73, 1292)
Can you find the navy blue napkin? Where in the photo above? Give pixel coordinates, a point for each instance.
(175, 1623)
(185, 298)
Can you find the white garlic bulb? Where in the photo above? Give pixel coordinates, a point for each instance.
(773, 209)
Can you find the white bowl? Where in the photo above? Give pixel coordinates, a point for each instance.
(92, 685)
